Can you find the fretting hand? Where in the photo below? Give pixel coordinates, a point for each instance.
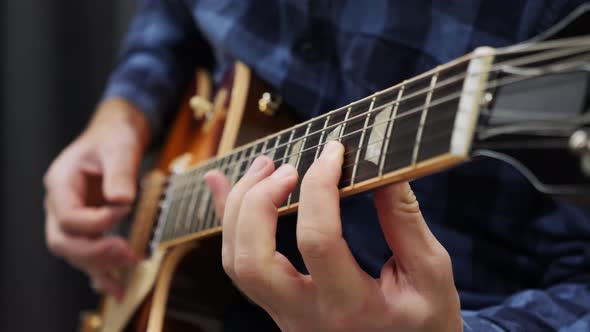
(415, 292)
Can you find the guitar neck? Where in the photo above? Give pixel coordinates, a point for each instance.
(417, 127)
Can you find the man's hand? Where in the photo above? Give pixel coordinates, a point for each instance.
(90, 187)
(415, 292)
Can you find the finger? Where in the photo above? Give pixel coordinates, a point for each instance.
(319, 230)
(120, 166)
(65, 199)
(89, 253)
(108, 283)
(414, 246)
(260, 169)
(255, 244)
(90, 221)
(220, 188)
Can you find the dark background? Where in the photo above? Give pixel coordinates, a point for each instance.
(54, 58)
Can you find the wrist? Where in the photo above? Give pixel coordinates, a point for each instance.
(117, 112)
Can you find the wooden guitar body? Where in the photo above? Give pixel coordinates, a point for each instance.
(163, 286)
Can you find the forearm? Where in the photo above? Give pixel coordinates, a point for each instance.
(157, 60)
(121, 110)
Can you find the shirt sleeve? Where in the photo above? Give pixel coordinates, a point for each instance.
(158, 58)
(562, 308)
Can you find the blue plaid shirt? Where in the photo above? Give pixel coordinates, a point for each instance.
(521, 260)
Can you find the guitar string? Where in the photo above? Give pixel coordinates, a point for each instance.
(248, 158)
(439, 101)
(187, 212)
(498, 67)
(536, 46)
(186, 216)
(197, 224)
(520, 48)
(240, 162)
(496, 83)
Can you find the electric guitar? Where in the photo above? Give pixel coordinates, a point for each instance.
(527, 104)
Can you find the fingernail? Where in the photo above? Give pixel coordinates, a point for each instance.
(283, 172)
(258, 164)
(332, 150)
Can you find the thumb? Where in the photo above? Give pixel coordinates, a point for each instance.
(404, 228)
(120, 167)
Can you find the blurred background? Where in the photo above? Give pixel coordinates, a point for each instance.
(54, 58)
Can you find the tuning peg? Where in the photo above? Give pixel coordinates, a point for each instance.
(201, 107)
(578, 142)
(269, 103)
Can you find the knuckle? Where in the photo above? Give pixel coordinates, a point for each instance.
(70, 223)
(313, 242)
(55, 246)
(108, 249)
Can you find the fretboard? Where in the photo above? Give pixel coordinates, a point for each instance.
(399, 133)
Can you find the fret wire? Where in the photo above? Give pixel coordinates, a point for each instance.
(172, 207)
(184, 207)
(162, 219)
(193, 196)
(264, 146)
(199, 188)
(364, 131)
(204, 191)
(251, 157)
(236, 169)
(390, 123)
(179, 220)
(188, 196)
(344, 122)
(284, 160)
(423, 118)
(209, 207)
(274, 149)
(322, 135)
(202, 210)
(299, 158)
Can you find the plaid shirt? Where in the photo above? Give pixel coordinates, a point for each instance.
(521, 260)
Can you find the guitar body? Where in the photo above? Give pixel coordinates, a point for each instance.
(164, 287)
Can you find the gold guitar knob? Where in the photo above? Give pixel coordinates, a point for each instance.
(91, 322)
(201, 107)
(269, 103)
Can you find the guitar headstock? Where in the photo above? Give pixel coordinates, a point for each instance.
(536, 112)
